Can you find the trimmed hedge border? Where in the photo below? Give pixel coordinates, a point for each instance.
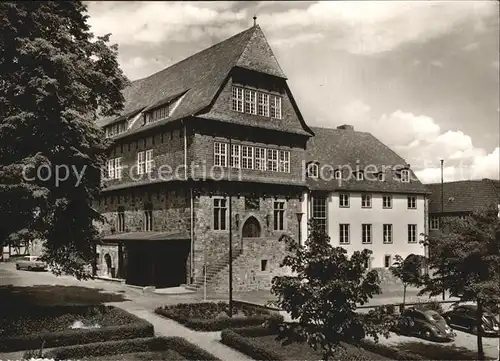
(218, 324)
(136, 329)
(241, 339)
(178, 344)
(116, 348)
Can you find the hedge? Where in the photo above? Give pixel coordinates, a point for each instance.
(136, 328)
(243, 340)
(191, 315)
(116, 348)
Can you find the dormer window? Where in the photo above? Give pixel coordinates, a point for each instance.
(115, 129)
(312, 170)
(405, 176)
(158, 114)
(255, 102)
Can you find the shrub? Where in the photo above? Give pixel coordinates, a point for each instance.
(112, 348)
(248, 346)
(125, 326)
(211, 316)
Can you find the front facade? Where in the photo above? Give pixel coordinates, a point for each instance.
(212, 151)
(364, 195)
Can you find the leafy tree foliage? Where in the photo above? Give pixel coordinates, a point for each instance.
(56, 79)
(323, 292)
(408, 270)
(465, 258)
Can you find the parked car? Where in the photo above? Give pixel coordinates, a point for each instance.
(464, 317)
(426, 324)
(31, 263)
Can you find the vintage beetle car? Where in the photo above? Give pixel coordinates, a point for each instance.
(464, 317)
(426, 324)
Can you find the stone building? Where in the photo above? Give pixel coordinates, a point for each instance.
(220, 123)
(215, 147)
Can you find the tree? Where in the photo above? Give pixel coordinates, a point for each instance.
(464, 261)
(56, 79)
(323, 292)
(408, 270)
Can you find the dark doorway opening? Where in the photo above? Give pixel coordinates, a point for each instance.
(161, 264)
(251, 228)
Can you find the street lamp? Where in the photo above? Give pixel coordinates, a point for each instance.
(299, 220)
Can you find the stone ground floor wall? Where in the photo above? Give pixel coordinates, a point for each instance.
(255, 268)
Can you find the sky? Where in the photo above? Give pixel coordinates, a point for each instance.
(422, 76)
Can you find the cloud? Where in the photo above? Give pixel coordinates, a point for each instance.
(368, 27)
(470, 47)
(303, 38)
(155, 22)
(422, 143)
(437, 63)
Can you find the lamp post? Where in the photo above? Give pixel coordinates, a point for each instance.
(299, 222)
(442, 201)
(230, 210)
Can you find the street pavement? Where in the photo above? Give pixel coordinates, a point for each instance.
(143, 303)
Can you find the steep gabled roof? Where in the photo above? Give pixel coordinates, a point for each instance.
(464, 196)
(201, 75)
(349, 148)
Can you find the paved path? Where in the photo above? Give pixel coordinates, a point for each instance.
(209, 341)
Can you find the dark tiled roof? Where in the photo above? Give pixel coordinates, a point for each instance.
(464, 196)
(200, 76)
(124, 116)
(349, 148)
(146, 236)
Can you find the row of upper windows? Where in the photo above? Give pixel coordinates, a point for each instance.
(366, 201)
(312, 171)
(115, 129)
(387, 262)
(255, 102)
(434, 221)
(145, 164)
(249, 157)
(366, 233)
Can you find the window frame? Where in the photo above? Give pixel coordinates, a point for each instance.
(260, 159)
(363, 201)
(389, 258)
(220, 154)
(411, 202)
(412, 234)
(272, 162)
(405, 176)
(279, 219)
(247, 159)
(384, 206)
(345, 196)
(387, 228)
(141, 163)
(220, 205)
(284, 161)
(235, 159)
(150, 163)
(366, 233)
(312, 170)
(319, 211)
(432, 224)
(237, 99)
(343, 229)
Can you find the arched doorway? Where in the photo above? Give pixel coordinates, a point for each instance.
(251, 228)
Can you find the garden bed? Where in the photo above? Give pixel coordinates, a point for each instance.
(260, 343)
(212, 316)
(53, 326)
(155, 348)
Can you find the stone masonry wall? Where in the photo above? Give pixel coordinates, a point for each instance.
(102, 268)
(212, 245)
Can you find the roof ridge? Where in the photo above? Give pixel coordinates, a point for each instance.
(200, 52)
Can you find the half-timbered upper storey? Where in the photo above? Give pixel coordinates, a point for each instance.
(227, 106)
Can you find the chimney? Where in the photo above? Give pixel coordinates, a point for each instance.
(345, 127)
